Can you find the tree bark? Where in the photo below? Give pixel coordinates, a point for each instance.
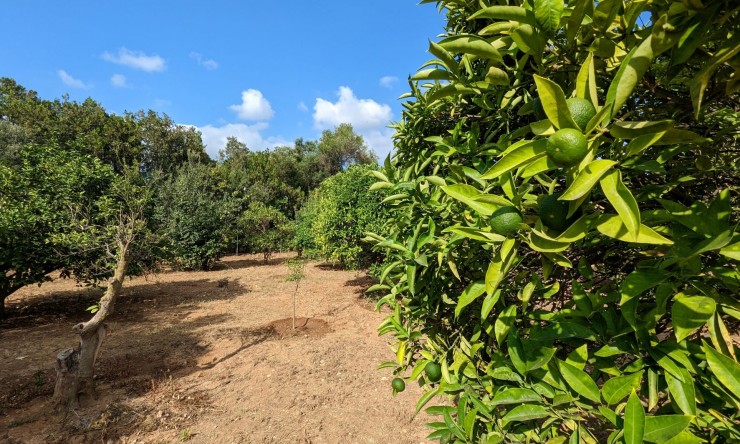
(4, 293)
(75, 367)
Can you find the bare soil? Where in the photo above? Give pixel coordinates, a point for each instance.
(211, 357)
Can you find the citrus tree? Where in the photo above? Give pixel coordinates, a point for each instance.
(563, 259)
(336, 216)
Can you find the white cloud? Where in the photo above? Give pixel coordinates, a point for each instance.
(136, 60)
(208, 64)
(119, 81)
(254, 106)
(368, 118)
(380, 141)
(361, 113)
(388, 81)
(302, 106)
(71, 81)
(214, 137)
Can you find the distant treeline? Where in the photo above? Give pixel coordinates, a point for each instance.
(62, 164)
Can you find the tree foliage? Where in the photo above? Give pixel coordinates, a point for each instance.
(266, 230)
(192, 216)
(617, 327)
(41, 195)
(337, 216)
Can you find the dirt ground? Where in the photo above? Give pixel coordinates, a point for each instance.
(210, 357)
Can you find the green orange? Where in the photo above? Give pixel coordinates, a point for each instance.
(567, 147)
(433, 372)
(398, 385)
(554, 213)
(581, 110)
(505, 221)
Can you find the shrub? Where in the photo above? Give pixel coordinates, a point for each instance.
(338, 214)
(617, 328)
(192, 217)
(266, 230)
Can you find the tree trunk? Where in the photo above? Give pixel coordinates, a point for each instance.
(4, 293)
(76, 366)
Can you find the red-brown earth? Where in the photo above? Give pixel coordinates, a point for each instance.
(211, 357)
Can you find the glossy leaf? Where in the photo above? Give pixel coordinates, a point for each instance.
(634, 420)
(616, 389)
(554, 102)
(525, 412)
(622, 200)
(515, 396)
(470, 294)
(471, 44)
(690, 313)
(579, 381)
(587, 179)
(612, 226)
(725, 369)
(659, 429)
(547, 13)
(528, 152)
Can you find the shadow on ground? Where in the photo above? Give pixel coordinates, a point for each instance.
(251, 261)
(150, 336)
(136, 301)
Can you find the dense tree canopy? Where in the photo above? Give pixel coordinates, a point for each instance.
(589, 299)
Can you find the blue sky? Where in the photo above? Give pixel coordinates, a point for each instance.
(266, 72)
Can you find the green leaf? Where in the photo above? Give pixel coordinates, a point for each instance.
(622, 200)
(683, 392)
(502, 262)
(475, 234)
(504, 322)
(612, 226)
(633, 130)
(514, 13)
(724, 368)
(660, 429)
(470, 294)
(526, 412)
(641, 143)
(426, 397)
(471, 44)
(447, 59)
(587, 178)
(700, 81)
(432, 74)
(467, 195)
(516, 352)
(685, 437)
(497, 76)
(527, 152)
(634, 420)
(579, 381)
(689, 313)
(548, 13)
(554, 102)
(615, 389)
(731, 251)
(489, 302)
(515, 396)
(630, 72)
(411, 277)
(575, 19)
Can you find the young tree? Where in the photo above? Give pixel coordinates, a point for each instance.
(563, 262)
